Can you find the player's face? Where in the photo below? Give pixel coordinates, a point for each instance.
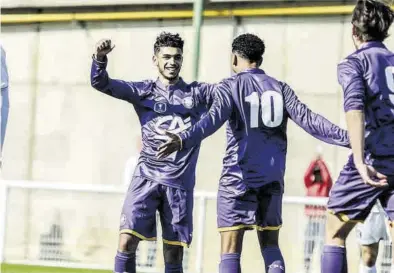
(169, 62)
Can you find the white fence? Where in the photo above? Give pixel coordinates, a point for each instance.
(74, 225)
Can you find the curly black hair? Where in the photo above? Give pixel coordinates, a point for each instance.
(249, 47)
(167, 39)
(372, 20)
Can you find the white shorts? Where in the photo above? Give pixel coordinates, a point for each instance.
(374, 228)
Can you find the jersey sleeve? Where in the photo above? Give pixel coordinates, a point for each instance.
(218, 113)
(206, 93)
(124, 90)
(314, 124)
(350, 77)
(4, 70)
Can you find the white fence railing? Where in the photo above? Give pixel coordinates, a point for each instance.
(75, 226)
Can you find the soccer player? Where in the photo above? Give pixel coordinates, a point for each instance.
(167, 103)
(369, 235)
(251, 185)
(367, 80)
(5, 104)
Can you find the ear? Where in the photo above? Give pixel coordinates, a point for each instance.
(154, 59)
(235, 60)
(354, 31)
(259, 62)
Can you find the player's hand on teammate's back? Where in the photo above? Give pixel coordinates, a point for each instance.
(371, 176)
(170, 146)
(103, 47)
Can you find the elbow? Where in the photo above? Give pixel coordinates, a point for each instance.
(97, 84)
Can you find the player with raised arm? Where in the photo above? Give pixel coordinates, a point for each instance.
(252, 182)
(167, 103)
(367, 80)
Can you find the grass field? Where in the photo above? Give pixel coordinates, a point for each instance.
(7, 268)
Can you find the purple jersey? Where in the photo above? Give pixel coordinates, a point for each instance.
(159, 108)
(367, 80)
(258, 108)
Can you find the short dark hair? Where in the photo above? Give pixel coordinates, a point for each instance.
(167, 39)
(249, 47)
(372, 20)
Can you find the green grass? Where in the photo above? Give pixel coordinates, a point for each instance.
(8, 268)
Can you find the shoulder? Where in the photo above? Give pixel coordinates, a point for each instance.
(144, 84)
(352, 62)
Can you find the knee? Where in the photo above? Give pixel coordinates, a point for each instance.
(231, 241)
(269, 238)
(369, 255)
(173, 254)
(128, 243)
(337, 231)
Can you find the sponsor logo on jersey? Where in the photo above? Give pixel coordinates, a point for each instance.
(188, 102)
(160, 107)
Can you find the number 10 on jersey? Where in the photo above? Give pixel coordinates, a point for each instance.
(271, 103)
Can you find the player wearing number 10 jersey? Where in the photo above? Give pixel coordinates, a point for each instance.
(252, 181)
(367, 80)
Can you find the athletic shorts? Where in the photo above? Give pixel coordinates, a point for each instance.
(259, 208)
(175, 206)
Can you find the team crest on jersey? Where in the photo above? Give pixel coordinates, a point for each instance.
(122, 220)
(188, 102)
(160, 107)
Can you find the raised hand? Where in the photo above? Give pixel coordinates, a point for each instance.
(103, 47)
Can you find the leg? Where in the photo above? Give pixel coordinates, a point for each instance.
(269, 221)
(269, 245)
(369, 235)
(138, 222)
(231, 249)
(125, 258)
(176, 217)
(236, 210)
(369, 254)
(173, 258)
(351, 200)
(334, 252)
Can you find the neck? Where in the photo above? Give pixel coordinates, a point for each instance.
(246, 65)
(167, 82)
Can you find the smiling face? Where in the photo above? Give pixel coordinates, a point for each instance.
(169, 62)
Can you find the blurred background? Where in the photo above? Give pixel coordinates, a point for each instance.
(69, 149)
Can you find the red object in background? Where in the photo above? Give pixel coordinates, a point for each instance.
(318, 183)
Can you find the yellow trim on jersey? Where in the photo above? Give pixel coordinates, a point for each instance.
(237, 227)
(175, 243)
(344, 218)
(142, 237)
(268, 228)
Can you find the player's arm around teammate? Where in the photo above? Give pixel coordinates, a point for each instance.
(138, 220)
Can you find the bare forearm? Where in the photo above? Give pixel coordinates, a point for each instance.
(355, 125)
